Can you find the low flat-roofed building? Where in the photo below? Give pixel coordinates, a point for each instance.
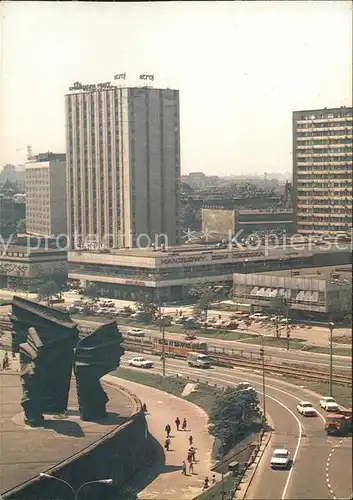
(303, 291)
(170, 274)
(24, 268)
(229, 222)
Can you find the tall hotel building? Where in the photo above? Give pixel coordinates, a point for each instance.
(322, 170)
(123, 165)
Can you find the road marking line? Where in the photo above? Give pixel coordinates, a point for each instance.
(232, 383)
(286, 408)
(327, 475)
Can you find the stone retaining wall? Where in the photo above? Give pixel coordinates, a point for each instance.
(117, 455)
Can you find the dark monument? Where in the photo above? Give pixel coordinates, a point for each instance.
(48, 342)
(95, 355)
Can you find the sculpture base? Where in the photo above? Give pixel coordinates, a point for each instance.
(25, 451)
(90, 417)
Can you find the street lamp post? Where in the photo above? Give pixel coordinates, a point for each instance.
(162, 330)
(76, 493)
(222, 471)
(262, 354)
(331, 326)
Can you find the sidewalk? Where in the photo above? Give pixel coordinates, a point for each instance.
(162, 409)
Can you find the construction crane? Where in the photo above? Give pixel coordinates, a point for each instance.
(29, 151)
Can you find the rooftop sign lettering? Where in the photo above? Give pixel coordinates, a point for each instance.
(147, 77)
(211, 257)
(91, 87)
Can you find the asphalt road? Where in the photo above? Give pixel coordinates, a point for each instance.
(305, 438)
(275, 354)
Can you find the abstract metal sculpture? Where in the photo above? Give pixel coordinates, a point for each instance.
(96, 355)
(46, 339)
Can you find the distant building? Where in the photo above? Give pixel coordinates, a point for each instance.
(170, 275)
(225, 221)
(322, 170)
(46, 195)
(197, 180)
(123, 166)
(23, 268)
(218, 221)
(13, 175)
(259, 221)
(304, 292)
(213, 181)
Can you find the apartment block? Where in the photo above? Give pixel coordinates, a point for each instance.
(322, 170)
(46, 195)
(123, 166)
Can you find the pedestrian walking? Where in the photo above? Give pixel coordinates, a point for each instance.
(184, 425)
(191, 440)
(7, 361)
(206, 483)
(177, 423)
(213, 478)
(192, 452)
(144, 408)
(183, 468)
(191, 468)
(167, 444)
(167, 430)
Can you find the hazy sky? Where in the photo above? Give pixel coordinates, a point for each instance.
(241, 68)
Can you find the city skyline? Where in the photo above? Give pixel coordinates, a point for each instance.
(286, 63)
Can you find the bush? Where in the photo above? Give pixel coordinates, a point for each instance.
(234, 414)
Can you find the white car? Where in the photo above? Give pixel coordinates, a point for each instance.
(255, 316)
(135, 332)
(306, 409)
(329, 404)
(140, 362)
(245, 386)
(280, 459)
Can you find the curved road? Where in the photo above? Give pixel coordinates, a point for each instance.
(309, 445)
(294, 356)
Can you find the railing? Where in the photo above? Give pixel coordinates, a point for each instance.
(223, 357)
(229, 360)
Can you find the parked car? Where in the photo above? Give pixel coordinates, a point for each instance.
(280, 459)
(135, 332)
(329, 403)
(255, 315)
(306, 409)
(140, 362)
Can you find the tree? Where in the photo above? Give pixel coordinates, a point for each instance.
(340, 304)
(233, 415)
(91, 290)
(47, 290)
(147, 304)
(206, 294)
(185, 188)
(188, 217)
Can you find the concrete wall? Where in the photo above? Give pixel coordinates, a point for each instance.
(218, 220)
(118, 455)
